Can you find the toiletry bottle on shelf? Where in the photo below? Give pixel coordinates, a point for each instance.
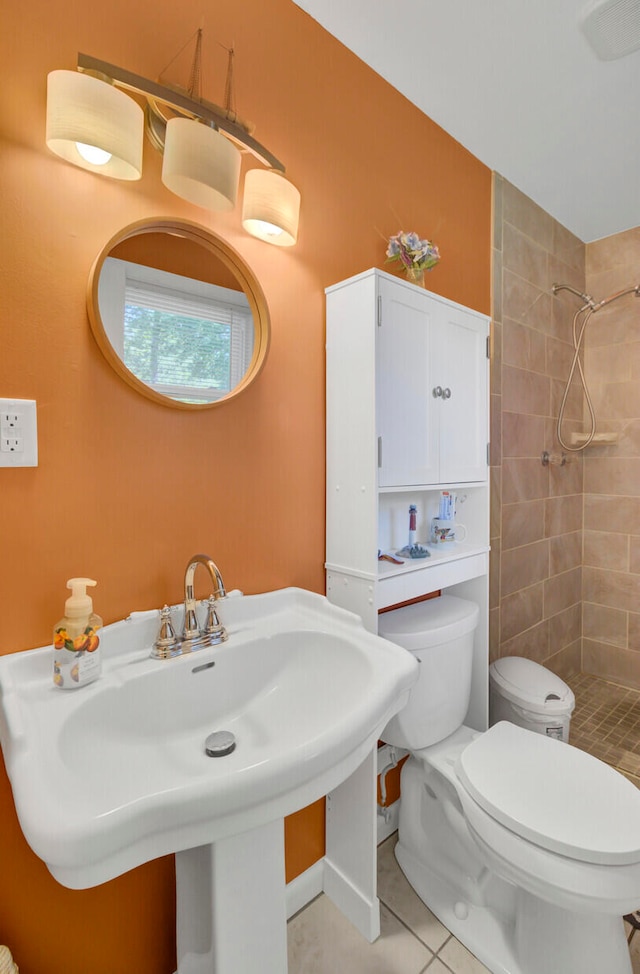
(76, 644)
(413, 511)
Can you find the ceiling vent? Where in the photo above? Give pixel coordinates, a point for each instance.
(613, 28)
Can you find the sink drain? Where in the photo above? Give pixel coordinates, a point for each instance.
(220, 743)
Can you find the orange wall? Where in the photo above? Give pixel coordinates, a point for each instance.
(245, 480)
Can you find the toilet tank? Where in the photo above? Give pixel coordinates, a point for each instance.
(439, 632)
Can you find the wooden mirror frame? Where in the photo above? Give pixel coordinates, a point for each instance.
(223, 252)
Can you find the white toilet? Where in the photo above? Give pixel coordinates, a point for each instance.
(525, 847)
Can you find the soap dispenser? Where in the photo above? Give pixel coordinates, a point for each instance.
(76, 644)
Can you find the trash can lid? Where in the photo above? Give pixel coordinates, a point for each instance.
(532, 686)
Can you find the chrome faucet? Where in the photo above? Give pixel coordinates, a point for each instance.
(213, 632)
(193, 637)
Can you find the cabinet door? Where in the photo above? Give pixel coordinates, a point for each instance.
(463, 409)
(405, 414)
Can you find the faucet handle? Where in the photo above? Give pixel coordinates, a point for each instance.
(213, 628)
(166, 641)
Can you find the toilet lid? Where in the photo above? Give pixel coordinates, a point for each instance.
(553, 794)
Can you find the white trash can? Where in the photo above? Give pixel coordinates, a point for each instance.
(531, 696)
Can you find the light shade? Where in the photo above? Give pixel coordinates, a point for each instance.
(82, 109)
(200, 165)
(271, 207)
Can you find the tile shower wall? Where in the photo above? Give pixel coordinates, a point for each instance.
(536, 522)
(611, 587)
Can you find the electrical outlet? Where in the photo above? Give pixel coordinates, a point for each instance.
(11, 444)
(18, 433)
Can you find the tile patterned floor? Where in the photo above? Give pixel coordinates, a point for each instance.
(412, 940)
(606, 722)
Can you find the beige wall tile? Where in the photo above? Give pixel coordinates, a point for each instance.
(633, 354)
(495, 520)
(495, 431)
(617, 400)
(496, 284)
(599, 490)
(605, 625)
(605, 549)
(563, 514)
(494, 634)
(611, 475)
(567, 478)
(522, 567)
(558, 358)
(565, 552)
(616, 322)
(521, 610)
(525, 392)
(608, 363)
(521, 212)
(497, 190)
(522, 435)
(620, 248)
(532, 644)
(574, 405)
(566, 663)
(634, 553)
(562, 273)
(523, 480)
(562, 591)
(616, 589)
(526, 303)
(495, 558)
(523, 347)
(552, 443)
(614, 513)
(628, 444)
(522, 523)
(634, 631)
(611, 663)
(525, 258)
(568, 247)
(495, 370)
(565, 628)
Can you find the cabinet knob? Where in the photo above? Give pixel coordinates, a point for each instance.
(437, 392)
(446, 393)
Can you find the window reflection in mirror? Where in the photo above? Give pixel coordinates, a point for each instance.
(184, 338)
(178, 314)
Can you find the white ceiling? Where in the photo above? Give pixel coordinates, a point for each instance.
(517, 83)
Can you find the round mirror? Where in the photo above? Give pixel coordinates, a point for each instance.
(178, 313)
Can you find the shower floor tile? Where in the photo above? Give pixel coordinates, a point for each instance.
(606, 723)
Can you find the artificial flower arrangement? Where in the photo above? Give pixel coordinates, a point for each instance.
(415, 255)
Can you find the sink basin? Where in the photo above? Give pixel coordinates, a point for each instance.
(109, 776)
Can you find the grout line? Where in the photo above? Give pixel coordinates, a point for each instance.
(411, 931)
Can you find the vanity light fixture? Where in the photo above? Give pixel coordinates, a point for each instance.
(270, 207)
(93, 123)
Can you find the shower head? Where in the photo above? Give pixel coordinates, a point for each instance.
(588, 300)
(619, 294)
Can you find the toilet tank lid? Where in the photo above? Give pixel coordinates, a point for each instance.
(554, 795)
(429, 623)
(527, 683)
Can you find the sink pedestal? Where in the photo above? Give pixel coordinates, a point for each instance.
(230, 905)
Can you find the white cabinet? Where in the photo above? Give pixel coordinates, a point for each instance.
(407, 416)
(431, 388)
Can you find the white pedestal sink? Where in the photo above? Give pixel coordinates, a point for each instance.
(115, 774)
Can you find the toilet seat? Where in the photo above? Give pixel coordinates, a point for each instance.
(552, 794)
